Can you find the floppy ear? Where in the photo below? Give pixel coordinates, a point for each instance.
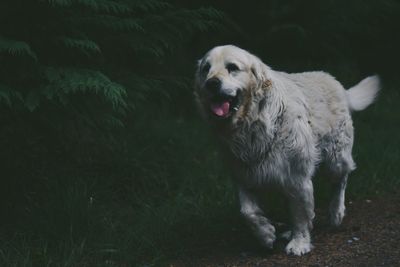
(198, 63)
(196, 80)
(260, 71)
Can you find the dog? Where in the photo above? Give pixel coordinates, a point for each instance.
(276, 128)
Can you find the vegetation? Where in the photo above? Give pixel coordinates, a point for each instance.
(104, 160)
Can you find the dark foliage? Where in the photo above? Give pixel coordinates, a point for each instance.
(71, 70)
(98, 123)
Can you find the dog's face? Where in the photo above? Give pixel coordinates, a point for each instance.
(224, 79)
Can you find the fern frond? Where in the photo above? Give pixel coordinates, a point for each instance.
(16, 48)
(8, 95)
(198, 20)
(149, 5)
(108, 22)
(108, 6)
(84, 45)
(177, 25)
(61, 3)
(152, 47)
(146, 86)
(112, 121)
(70, 81)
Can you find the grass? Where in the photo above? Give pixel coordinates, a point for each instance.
(168, 195)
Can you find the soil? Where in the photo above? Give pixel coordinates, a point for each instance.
(368, 236)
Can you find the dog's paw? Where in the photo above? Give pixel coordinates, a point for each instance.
(298, 246)
(336, 216)
(268, 241)
(267, 236)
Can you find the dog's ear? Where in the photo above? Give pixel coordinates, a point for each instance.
(198, 64)
(197, 74)
(260, 71)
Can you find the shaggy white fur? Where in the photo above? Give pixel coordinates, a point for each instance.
(276, 128)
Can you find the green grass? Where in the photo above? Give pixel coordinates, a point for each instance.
(169, 195)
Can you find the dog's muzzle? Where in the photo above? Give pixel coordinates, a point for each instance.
(222, 104)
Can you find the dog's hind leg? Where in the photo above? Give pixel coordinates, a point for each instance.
(255, 217)
(340, 164)
(340, 169)
(301, 201)
(337, 205)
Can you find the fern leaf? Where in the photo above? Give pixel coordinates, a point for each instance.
(108, 22)
(70, 81)
(149, 5)
(8, 95)
(108, 6)
(61, 3)
(112, 121)
(16, 48)
(84, 45)
(112, 7)
(5, 95)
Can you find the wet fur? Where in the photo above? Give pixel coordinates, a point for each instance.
(286, 125)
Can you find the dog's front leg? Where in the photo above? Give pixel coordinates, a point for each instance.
(301, 201)
(255, 217)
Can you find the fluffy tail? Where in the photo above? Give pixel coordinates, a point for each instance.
(364, 93)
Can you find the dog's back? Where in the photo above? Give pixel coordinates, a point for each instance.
(328, 103)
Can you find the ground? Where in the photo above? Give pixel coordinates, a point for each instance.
(369, 236)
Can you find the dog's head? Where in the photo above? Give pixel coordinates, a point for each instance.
(227, 78)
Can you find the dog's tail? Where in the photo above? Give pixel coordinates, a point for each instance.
(364, 93)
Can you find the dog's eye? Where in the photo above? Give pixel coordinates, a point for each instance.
(206, 68)
(231, 67)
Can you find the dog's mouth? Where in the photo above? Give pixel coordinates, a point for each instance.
(225, 106)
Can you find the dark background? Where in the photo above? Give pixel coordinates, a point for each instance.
(103, 158)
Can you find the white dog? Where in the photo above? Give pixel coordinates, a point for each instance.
(277, 127)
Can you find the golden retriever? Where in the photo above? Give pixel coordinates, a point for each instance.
(277, 127)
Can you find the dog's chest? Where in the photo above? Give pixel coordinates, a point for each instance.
(252, 143)
(259, 155)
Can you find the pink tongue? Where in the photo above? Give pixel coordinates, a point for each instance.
(220, 109)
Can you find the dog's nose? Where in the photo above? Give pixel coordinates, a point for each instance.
(213, 84)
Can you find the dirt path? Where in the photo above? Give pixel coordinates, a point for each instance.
(369, 236)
